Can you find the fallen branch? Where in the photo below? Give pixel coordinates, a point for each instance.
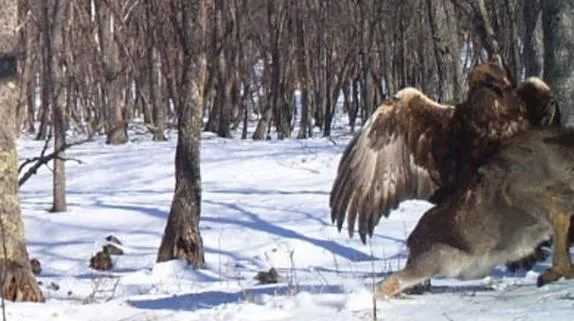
(44, 159)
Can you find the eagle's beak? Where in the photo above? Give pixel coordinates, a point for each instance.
(507, 83)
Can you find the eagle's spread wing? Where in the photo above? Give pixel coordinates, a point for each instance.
(390, 159)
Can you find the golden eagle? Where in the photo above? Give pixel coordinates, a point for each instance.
(415, 148)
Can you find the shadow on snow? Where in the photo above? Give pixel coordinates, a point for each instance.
(256, 223)
(211, 299)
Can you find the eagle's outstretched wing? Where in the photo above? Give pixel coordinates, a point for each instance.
(389, 160)
(411, 145)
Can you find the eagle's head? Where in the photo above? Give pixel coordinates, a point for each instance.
(541, 106)
(488, 75)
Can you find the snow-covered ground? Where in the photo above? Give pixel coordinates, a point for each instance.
(265, 204)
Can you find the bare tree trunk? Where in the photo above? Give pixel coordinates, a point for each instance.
(17, 280)
(116, 129)
(222, 100)
(320, 57)
(530, 14)
(347, 103)
(275, 81)
(284, 112)
(154, 75)
(246, 109)
(558, 28)
(512, 52)
(158, 106)
(182, 238)
(26, 84)
(273, 70)
(446, 49)
(44, 124)
(489, 40)
(365, 40)
(52, 35)
(305, 124)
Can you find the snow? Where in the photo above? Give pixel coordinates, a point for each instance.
(265, 204)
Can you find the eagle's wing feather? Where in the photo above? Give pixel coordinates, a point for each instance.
(389, 160)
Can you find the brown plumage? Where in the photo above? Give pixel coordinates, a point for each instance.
(415, 148)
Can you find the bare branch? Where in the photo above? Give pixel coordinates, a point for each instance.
(44, 159)
(30, 160)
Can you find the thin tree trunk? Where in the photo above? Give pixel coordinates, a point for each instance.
(271, 73)
(51, 13)
(246, 109)
(154, 76)
(44, 124)
(158, 107)
(530, 14)
(348, 104)
(305, 125)
(116, 129)
(224, 83)
(321, 59)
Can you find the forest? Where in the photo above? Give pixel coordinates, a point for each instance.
(94, 67)
(106, 63)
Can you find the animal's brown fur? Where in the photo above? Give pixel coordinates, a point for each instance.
(523, 196)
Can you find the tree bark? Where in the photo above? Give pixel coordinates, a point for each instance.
(116, 129)
(530, 15)
(273, 70)
(153, 74)
(558, 29)
(52, 36)
(182, 238)
(446, 49)
(17, 280)
(222, 98)
(305, 123)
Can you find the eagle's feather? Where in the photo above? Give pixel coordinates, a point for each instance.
(415, 148)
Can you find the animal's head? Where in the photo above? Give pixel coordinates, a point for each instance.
(488, 75)
(540, 103)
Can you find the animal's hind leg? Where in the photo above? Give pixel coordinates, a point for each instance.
(415, 272)
(399, 281)
(561, 260)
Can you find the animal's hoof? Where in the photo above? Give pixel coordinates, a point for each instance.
(552, 274)
(388, 288)
(419, 288)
